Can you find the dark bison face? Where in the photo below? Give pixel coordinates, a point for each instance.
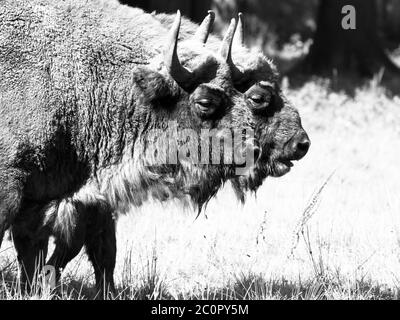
(278, 125)
(280, 134)
(278, 129)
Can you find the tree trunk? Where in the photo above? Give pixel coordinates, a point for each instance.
(391, 21)
(357, 51)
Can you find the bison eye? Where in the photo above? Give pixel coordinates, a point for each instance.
(260, 100)
(257, 99)
(204, 103)
(206, 107)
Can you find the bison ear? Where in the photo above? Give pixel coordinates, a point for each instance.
(155, 88)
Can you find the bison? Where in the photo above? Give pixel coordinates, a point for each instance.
(279, 131)
(81, 91)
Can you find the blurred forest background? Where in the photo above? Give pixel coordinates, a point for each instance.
(291, 30)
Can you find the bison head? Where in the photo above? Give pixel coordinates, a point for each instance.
(181, 102)
(279, 132)
(278, 125)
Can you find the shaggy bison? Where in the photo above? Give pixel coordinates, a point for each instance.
(95, 150)
(80, 94)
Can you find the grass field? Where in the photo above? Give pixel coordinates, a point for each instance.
(330, 229)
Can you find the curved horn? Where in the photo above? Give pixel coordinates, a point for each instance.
(204, 30)
(238, 38)
(226, 45)
(178, 72)
(226, 51)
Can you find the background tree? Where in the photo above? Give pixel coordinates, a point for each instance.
(357, 51)
(272, 24)
(389, 21)
(267, 20)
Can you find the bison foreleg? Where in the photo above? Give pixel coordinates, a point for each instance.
(31, 257)
(31, 243)
(95, 228)
(68, 244)
(101, 248)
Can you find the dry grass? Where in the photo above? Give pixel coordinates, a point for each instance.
(330, 229)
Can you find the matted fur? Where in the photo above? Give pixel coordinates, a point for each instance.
(81, 87)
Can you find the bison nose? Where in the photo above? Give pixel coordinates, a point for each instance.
(300, 145)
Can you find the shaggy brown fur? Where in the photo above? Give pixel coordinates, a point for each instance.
(80, 89)
(85, 218)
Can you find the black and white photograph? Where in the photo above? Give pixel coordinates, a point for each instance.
(187, 150)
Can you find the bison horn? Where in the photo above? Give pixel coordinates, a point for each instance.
(226, 51)
(238, 38)
(204, 30)
(226, 45)
(177, 71)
